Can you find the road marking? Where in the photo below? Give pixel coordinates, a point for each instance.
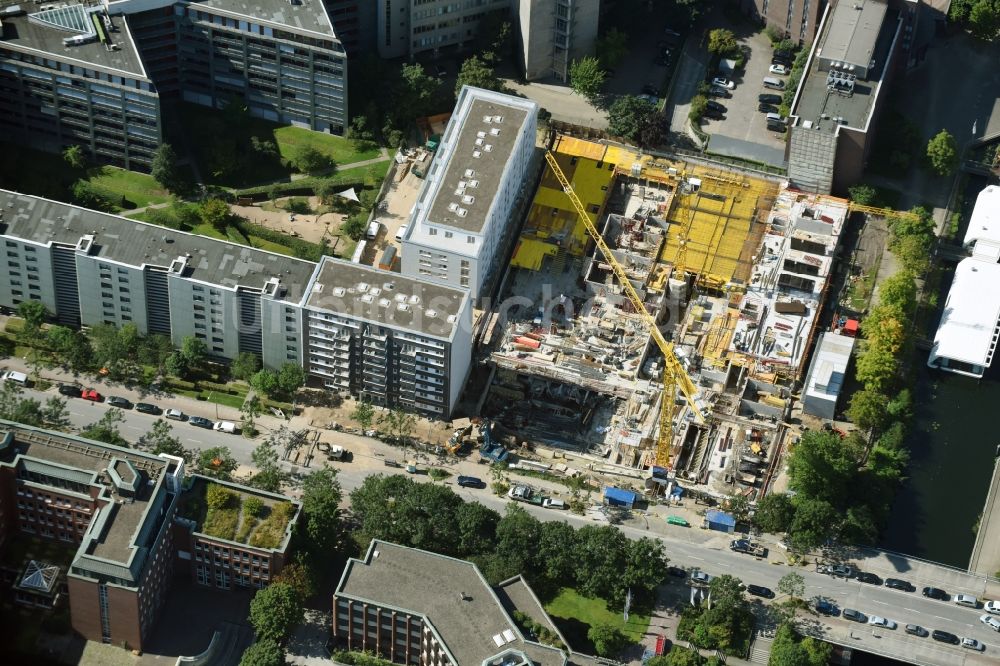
(693, 557)
(884, 603)
(911, 610)
(938, 617)
(195, 441)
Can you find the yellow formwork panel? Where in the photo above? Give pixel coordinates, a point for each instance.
(530, 253)
(569, 145)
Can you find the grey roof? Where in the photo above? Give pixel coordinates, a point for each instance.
(137, 243)
(22, 34)
(451, 594)
(516, 595)
(304, 14)
(488, 167)
(386, 298)
(853, 31)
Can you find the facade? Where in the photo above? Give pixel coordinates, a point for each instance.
(405, 28)
(91, 268)
(841, 92)
(386, 338)
(462, 217)
(797, 19)
(354, 23)
(72, 75)
(554, 34)
(415, 607)
(826, 375)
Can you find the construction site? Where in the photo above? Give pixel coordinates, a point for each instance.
(693, 364)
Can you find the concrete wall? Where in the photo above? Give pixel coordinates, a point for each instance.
(276, 338)
(552, 34)
(110, 293)
(798, 19)
(183, 294)
(15, 260)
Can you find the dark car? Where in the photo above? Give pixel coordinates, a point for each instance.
(760, 591)
(936, 593)
(768, 98)
(715, 106)
(781, 60)
(147, 408)
(857, 616)
(777, 127)
(870, 578)
(767, 108)
(119, 402)
(714, 113)
(716, 91)
(471, 482)
(824, 607)
(676, 572)
(649, 89)
(201, 422)
(69, 390)
(897, 584)
(944, 637)
(915, 630)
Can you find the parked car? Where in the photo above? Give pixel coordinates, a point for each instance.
(915, 630)
(553, 503)
(878, 621)
(716, 91)
(990, 621)
(760, 591)
(723, 82)
(778, 69)
(69, 390)
(781, 128)
(824, 607)
(781, 60)
(714, 114)
(201, 422)
(973, 644)
(147, 408)
(936, 593)
(870, 578)
(676, 572)
(440, 70)
(944, 636)
(715, 106)
(842, 570)
(769, 98)
(767, 108)
(91, 394)
(15, 377)
(966, 600)
(174, 414)
(700, 577)
(470, 482)
(897, 584)
(227, 427)
(992, 607)
(119, 402)
(856, 616)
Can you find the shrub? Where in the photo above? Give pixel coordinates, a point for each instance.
(252, 506)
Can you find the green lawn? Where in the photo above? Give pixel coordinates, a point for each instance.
(290, 139)
(138, 189)
(575, 614)
(223, 399)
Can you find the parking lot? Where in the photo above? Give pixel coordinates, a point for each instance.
(743, 132)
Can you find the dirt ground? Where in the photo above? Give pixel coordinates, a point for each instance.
(308, 227)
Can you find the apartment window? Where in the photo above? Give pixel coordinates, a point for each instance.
(448, 234)
(470, 240)
(431, 231)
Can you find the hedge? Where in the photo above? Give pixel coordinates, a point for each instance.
(302, 249)
(299, 186)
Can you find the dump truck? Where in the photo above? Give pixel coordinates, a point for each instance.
(748, 547)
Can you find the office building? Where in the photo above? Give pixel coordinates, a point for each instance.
(414, 607)
(72, 75)
(837, 104)
(354, 23)
(554, 34)
(462, 219)
(386, 338)
(91, 268)
(405, 28)
(795, 19)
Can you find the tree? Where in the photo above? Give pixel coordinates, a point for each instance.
(586, 77)
(106, 428)
(862, 194)
(417, 90)
(299, 576)
(913, 252)
(477, 526)
(264, 382)
(601, 553)
(269, 474)
(71, 346)
(33, 313)
(876, 368)
(628, 115)
(984, 19)
(792, 584)
(478, 73)
(264, 652)
(608, 641)
(868, 409)
(250, 410)
(942, 151)
(785, 651)
(193, 352)
(399, 424)
(644, 564)
(815, 522)
(74, 157)
(774, 513)
(321, 497)
(215, 213)
(364, 414)
(274, 611)
(309, 160)
(165, 170)
(722, 42)
(116, 350)
(899, 290)
(54, 414)
(699, 104)
(326, 190)
(738, 505)
(160, 439)
(244, 366)
(726, 592)
(612, 47)
(290, 378)
(218, 463)
(822, 466)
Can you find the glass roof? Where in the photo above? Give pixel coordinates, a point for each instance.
(73, 18)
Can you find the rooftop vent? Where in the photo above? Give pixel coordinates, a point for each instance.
(488, 147)
(481, 134)
(400, 298)
(487, 119)
(461, 212)
(476, 154)
(337, 291)
(403, 307)
(388, 286)
(431, 313)
(479, 142)
(368, 298)
(452, 319)
(414, 299)
(384, 302)
(468, 199)
(461, 184)
(473, 183)
(362, 287)
(498, 119)
(452, 206)
(495, 131)
(374, 291)
(470, 173)
(459, 191)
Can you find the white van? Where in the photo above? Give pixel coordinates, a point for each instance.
(401, 233)
(771, 82)
(550, 503)
(373, 230)
(15, 377)
(225, 426)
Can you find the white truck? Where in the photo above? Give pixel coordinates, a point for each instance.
(226, 426)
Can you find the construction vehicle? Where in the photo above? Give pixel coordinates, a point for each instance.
(458, 440)
(526, 494)
(491, 451)
(674, 375)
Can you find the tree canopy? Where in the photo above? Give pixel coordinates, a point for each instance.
(165, 169)
(274, 611)
(586, 77)
(479, 73)
(265, 652)
(629, 115)
(942, 153)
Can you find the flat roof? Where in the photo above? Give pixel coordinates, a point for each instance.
(387, 298)
(138, 243)
(304, 14)
(22, 34)
(450, 593)
(853, 31)
(984, 224)
(487, 124)
(832, 356)
(970, 314)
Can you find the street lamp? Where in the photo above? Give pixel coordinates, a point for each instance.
(216, 406)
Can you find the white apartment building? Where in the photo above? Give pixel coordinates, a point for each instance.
(463, 212)
(386, 338)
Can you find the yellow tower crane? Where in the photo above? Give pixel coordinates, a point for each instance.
(674, 375)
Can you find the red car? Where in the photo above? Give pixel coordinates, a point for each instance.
(91, 394)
